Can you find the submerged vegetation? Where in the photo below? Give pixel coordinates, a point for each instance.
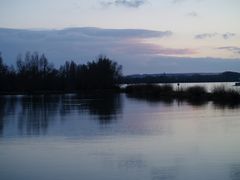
(196, 94)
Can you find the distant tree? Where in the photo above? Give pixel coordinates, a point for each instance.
(34, 73)
(103, 74)
(7, 76)
(100, 74)
(2, 72)
(68, 73)
(3, 67)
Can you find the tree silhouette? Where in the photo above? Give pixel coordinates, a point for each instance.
(35, 74)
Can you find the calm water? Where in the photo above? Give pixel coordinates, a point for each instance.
(114, 137)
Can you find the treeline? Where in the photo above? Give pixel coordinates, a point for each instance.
(34, 73)
(182, 78)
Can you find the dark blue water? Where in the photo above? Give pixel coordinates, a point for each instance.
(109, 136)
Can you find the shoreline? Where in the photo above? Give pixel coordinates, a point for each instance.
(154, 92)
(195, 94)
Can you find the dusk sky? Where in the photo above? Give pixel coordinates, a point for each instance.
(145, 36)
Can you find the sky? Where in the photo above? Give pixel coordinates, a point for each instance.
(145, 36)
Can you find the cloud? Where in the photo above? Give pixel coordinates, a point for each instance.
(116, 33)
(205, 35)
(192, 14)
(79, 34)
(74, 41)
(233, 49)
(228, 35)
(126, 46)
(60, 45)
(153, 49)
(125, 3)
(178, 1)
(169, 64)
(225, 36)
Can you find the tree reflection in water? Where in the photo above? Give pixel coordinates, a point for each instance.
(2, 113)
(7, 107)
(235, 172)
(34, 114)
(105, 107)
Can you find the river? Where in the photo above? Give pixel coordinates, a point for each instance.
(116, 137)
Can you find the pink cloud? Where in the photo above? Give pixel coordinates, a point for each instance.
(152, 49)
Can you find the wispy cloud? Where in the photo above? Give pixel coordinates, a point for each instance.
(141, 48)
(116, 33)
(78, 42)
(233, 49)
(205, 35)
(228, 35)
(125, 3)
(178, 1)
(225, 36)
(192, 14)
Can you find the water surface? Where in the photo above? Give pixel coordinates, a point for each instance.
(109, 136)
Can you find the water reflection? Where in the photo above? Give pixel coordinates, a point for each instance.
(2, 112)
(191, 101)
(105, 107)
(164, 173)
(7, 107)
(151, 100)
(226, 105)
(111, 136)
(235, 172)
(34, 114)
(132, 162)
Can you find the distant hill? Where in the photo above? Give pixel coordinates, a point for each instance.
(227, 76)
